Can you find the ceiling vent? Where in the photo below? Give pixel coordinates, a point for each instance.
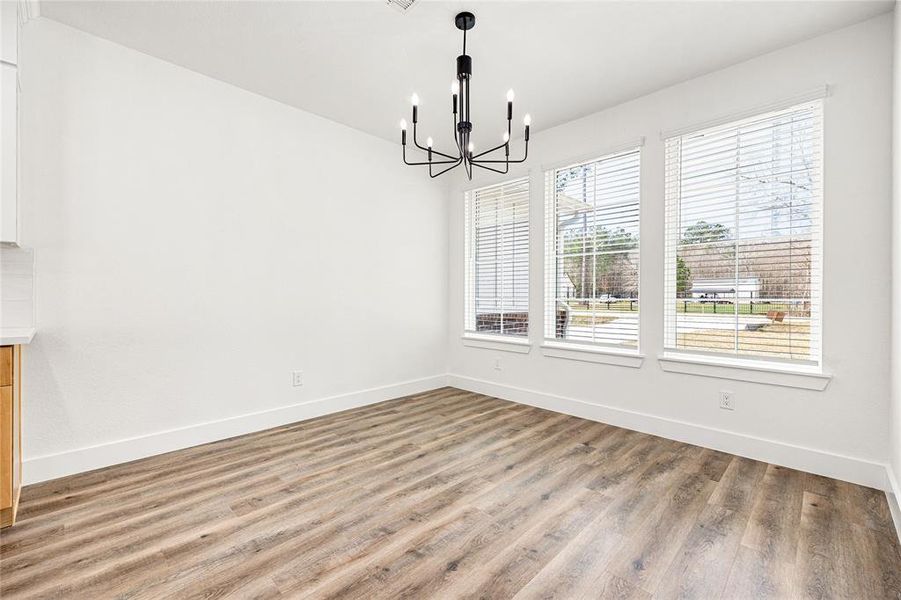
(402, 5)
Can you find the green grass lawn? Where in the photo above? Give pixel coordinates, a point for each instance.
(695, 307)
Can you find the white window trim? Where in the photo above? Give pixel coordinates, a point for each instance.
(817, 93)
(587, 352)
(592, 156)
(754, 371)
(743, 368)
(472, 338)
(592, 353)
(497, 342)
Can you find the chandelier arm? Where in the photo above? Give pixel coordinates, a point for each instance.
(422, 164)
(481, 166)
(521, 160)
(495, 149)
(446, 169)
(425, 149)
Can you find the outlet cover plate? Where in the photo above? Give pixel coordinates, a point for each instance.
(727, 400)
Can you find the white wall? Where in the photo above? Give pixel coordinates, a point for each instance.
(841, 431)
(194, 244)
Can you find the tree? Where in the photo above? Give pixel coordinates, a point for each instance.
(683, 278)
(579, 174)
(598, 261)
(703, 232)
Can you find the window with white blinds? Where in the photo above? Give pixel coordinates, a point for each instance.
(591, 271)
(744, 238)
(497, 259)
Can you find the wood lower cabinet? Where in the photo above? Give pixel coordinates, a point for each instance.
(10, 432)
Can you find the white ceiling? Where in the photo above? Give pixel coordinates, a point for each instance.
(358, 62)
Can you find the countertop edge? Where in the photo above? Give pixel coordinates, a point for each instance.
(16, 336)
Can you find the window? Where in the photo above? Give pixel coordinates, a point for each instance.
(743, 238)
(592, 251)
(497, 259)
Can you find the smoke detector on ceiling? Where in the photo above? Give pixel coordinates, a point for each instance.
(402, 5)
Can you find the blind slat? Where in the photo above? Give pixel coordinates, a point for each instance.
(497, 259)
(743, 237)
(592, 251)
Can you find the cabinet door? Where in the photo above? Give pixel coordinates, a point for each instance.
(6, 446)
(9, 203)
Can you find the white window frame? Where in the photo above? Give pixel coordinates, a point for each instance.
(471, 337)
(800, 374)
(553, 347)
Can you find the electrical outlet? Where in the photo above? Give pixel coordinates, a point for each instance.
(497, 364)
(297, 378)
(727, 400)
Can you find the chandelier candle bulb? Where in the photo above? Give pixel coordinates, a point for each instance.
(428, 142)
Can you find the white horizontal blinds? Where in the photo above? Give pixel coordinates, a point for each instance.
(744, 228)
(592, 251)
(498, 259)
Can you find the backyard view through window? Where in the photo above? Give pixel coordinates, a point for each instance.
(743, 206)
(497, 259)
(592, 251)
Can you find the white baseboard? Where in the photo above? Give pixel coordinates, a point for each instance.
(820, 462)
(855, 470)
(43, 468)
(893, 496)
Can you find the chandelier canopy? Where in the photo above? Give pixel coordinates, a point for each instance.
(439, 162)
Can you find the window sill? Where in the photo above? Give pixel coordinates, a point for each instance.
(594, 354)
(504, 344)
(769, 373)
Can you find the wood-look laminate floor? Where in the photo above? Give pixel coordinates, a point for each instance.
(449, 494)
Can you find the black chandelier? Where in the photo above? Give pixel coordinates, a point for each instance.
(465, 153)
